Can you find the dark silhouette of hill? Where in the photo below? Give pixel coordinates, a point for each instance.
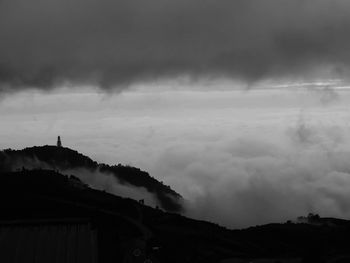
(63, 159)
(169, 237)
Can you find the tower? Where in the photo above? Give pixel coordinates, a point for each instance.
(59, 143)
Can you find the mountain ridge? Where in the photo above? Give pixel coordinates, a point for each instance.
(65, 159)
(28, 195)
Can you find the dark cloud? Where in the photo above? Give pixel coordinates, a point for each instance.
(115, 43)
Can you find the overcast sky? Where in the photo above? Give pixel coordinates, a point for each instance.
(113, 43)
(241, 106)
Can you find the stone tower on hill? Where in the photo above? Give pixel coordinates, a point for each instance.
(59, 143)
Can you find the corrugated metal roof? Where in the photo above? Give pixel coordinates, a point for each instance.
(47, 241)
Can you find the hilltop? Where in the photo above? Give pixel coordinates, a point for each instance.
(66, 160)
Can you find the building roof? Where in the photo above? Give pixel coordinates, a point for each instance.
(41, 241)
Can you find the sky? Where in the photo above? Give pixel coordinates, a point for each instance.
(113, 44)
(241, 106)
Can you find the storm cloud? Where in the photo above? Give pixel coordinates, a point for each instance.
(112, 44)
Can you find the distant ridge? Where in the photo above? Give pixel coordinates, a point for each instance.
(63, 158)
(42, 197)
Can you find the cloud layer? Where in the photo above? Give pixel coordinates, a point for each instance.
(115, 43)
(249, 182)
(238, 158)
